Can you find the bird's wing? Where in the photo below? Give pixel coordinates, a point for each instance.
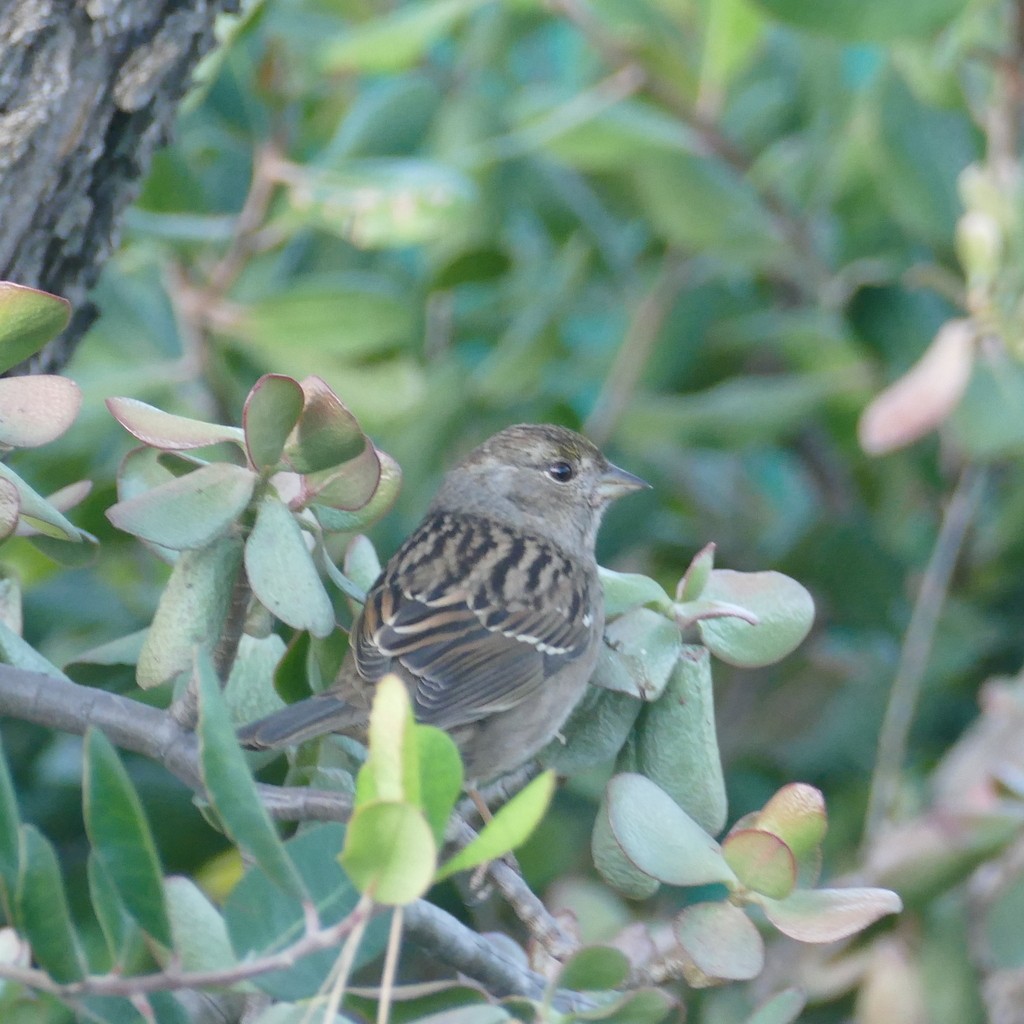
(478, 614)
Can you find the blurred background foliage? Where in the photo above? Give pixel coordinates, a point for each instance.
(707, 232)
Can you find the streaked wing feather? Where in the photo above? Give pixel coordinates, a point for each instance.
(475, 640)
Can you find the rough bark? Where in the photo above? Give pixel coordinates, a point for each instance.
(88, 91)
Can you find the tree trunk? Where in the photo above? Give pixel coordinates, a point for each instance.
(88, 90)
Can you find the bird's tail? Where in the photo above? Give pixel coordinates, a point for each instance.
(302, 720)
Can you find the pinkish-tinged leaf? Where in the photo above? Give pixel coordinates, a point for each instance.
(349, 486)
(190, 511)
(691, 586)
(762, 862)
(827, 915)
(165, 430)
(796, 814)
(36, 410)
(327, 434)
(784, 610)
(29, 318)
(271, 412)
(721, 942)
(10, 507)
(337, 520)
(925, 395)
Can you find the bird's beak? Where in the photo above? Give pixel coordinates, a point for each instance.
(615, 482)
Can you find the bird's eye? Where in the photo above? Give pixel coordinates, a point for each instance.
(561, 471)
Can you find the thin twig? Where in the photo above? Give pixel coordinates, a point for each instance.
(637, 344)
(174, 980)
(917, 646)
(387, 977)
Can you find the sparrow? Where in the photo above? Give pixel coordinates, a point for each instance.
(491, 612)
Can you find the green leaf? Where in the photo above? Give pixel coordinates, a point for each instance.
(827, 915)
(659, 837)
(361, 564)
(594, 968)
(390, 852)
(509, 828)
(191, 612)
(200, 935)
(392, 770)
(677, 744)
(440, 777)
(231, 789)
(10, 508)
(784, 609)
(613, 865)
(281, 570)
(121, 838)
(165, 430)
(10, 824)
(29, 318)
(41, 909)
(190, 511)
(397, 39)
(386, 203)
(120, 932)
(721, 941)
(340, 320)
(271, 411)
(261, 918)
(36, 410)
(867, 20)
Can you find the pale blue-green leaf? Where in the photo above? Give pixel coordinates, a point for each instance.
(677, 744)
(261, 918)
(594, 732)
(17, 652)
(37, 409)
(200, 935)
(281, 570)
(722, 942)
(10, 823)
(782, 1008)
(594, 968)
(659, 837)
(784, 610)
(191, 612)
(639, 652)
(624, 591)
(188, 512)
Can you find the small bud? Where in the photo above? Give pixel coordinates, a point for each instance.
(979, 245)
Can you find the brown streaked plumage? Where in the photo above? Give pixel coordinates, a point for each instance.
(491, 611)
